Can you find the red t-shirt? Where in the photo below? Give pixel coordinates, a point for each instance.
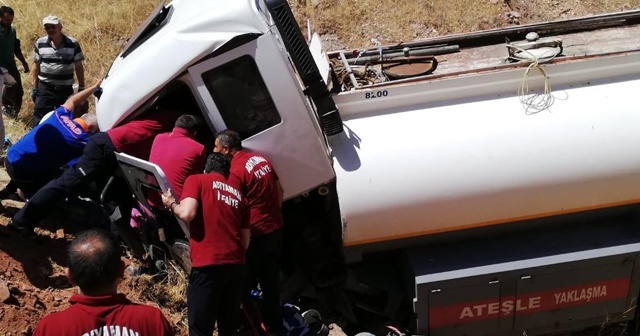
(179, 156)
(257, 179)
(216, 229)
(104, 315)
(136, 136)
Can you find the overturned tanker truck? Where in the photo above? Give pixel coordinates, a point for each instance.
(485, 183)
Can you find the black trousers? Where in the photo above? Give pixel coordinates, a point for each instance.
(29, 185)
(12, 95)
(98, 161)
(214, 294)
(48, 98)
(264, 256)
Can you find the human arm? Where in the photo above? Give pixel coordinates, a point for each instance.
(245, 237)
(80, 75)
(35, 72)
(18, 53)
(79, 67)
(81, 96)
(185, 210)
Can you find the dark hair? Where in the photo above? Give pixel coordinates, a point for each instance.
(189, 122)
(94, 260)
(7, 10)
(230, 138)
(218, 163)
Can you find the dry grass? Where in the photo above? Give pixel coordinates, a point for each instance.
(353, 23)
(356, 22)
(167, 291)
(102, 28)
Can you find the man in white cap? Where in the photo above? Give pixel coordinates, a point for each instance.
(56, 57)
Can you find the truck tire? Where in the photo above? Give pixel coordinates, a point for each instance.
(180, 253)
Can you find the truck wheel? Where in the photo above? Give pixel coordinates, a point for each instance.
(180, 253)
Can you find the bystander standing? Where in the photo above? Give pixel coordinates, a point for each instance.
(10, 47)
(56, 57)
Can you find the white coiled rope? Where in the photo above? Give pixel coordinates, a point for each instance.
(535, 102)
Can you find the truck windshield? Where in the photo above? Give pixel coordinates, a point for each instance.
(149, 27)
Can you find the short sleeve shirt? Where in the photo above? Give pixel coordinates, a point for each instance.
(256, 178)
(179, 156)
(135, 137)
(48, 146)
(57, 64)
(104, 315)
(216, 229)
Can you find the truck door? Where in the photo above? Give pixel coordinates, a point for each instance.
(253, 90)
(147, 181)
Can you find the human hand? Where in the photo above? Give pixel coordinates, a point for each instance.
(99, 79)
(34, 92)
(167, 198)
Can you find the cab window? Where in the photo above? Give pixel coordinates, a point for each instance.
(242, 97)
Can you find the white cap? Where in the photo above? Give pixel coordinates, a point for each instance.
(52, 20)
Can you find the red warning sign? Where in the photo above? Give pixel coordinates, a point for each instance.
(528, 303)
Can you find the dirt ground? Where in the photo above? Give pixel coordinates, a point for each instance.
(32, 281)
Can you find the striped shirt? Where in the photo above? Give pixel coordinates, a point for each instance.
(57, 65)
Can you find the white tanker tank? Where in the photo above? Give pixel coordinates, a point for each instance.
(473, 185)
(464, 150)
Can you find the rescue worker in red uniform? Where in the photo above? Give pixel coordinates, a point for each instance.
(217, 216)
(254, 175)
(178, 154)
(96, 268)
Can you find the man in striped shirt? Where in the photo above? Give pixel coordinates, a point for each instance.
(56, 56)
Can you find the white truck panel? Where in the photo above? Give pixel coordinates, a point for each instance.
(295, 146)
(192, 32)
(459, 163)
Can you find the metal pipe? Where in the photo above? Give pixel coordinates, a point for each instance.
(396, 48)
(348, 68)
(413, 52)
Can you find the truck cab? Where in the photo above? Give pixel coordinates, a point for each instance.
(238, 76)
(225, 60)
